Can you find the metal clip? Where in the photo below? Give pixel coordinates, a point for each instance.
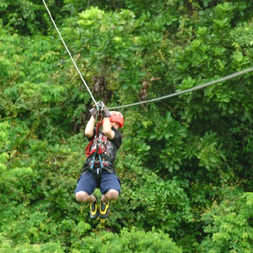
(100, 106)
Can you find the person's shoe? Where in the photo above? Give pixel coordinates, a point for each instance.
(93, 210)
(104, 209)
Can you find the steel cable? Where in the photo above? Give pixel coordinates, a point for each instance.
(73, 61)
(198, 87)
(187, 90)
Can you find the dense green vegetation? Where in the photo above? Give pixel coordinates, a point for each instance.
(186, 163)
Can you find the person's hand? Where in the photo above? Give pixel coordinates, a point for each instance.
(107, 113)
(103, 109)
(93, 112)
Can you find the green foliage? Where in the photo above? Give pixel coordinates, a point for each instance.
(228, 224)
(128, 241)
(7, 247)
(185, 164)
(24, 16)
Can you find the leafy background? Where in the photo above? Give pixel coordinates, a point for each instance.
(185, 163)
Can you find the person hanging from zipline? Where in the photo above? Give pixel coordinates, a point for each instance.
(105, 139)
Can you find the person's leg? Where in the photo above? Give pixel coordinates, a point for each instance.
(85, 187)
(110, 188)
(83, 192)
(110, 195)
(82, 196)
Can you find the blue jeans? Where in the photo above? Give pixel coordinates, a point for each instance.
(88, 182)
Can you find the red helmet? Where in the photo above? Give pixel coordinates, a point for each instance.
(117, 117)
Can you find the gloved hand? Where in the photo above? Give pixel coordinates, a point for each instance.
(104, 110)
(107, 113)
(93, 112)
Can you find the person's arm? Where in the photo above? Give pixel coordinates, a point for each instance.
(107, 128)
(89, 129)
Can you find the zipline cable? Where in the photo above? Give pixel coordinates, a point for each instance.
(150, 100)
(239, 73)
(63, 42)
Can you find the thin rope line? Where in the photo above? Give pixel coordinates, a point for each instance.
(187, 90)
(62, 40)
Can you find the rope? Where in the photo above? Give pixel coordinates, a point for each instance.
(62, 40)
(185, 91)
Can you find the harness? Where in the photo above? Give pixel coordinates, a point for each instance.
(99, 160)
